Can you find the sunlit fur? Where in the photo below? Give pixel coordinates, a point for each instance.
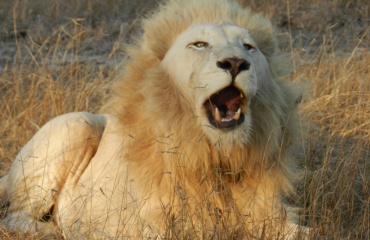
(162, 118)
(153, 158)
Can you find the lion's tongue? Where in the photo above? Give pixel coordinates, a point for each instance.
(232, 111)
(233, 104)
(228, 96)
(226, 104)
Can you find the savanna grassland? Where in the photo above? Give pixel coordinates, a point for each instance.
(60, 56)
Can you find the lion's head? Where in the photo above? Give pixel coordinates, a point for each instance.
(207, 70)
(219, 69)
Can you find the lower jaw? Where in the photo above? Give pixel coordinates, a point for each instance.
(227, 125)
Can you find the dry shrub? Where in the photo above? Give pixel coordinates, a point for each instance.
(337, 189)
(47, 80)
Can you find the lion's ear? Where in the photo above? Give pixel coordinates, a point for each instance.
(296, 92)
(266, 41)
(302, 91)
(301, 94)
(299, 99)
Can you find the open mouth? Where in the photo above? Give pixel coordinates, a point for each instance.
(224, 108)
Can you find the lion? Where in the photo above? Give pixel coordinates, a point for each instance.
(200, 131)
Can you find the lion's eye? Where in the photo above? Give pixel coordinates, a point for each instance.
(199, 45)
(248, 46)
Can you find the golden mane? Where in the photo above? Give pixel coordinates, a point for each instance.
(149, 106)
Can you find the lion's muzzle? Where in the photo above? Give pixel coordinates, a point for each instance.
(224, 108)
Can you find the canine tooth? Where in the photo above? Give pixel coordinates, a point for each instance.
(217, 115)
(237, 114)
(241, 95)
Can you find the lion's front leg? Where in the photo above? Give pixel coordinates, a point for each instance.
(260, 203)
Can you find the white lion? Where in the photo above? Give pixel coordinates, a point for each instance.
(199, 131)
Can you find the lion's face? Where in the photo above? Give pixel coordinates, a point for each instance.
(218, 68)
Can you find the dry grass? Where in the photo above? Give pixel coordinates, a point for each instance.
(60, 60)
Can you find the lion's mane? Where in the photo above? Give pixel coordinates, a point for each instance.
(149, 105)
(160, 119)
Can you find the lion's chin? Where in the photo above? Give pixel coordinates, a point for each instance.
(224, 108)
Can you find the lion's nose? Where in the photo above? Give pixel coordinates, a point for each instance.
(233, 65)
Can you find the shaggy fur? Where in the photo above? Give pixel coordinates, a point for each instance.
(155, 161)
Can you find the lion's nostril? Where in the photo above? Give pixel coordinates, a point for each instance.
(244, 66)
(224, 65)
(233, 65)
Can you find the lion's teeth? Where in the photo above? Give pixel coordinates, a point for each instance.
(237, 114)
(217, 115)
(241, 95)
